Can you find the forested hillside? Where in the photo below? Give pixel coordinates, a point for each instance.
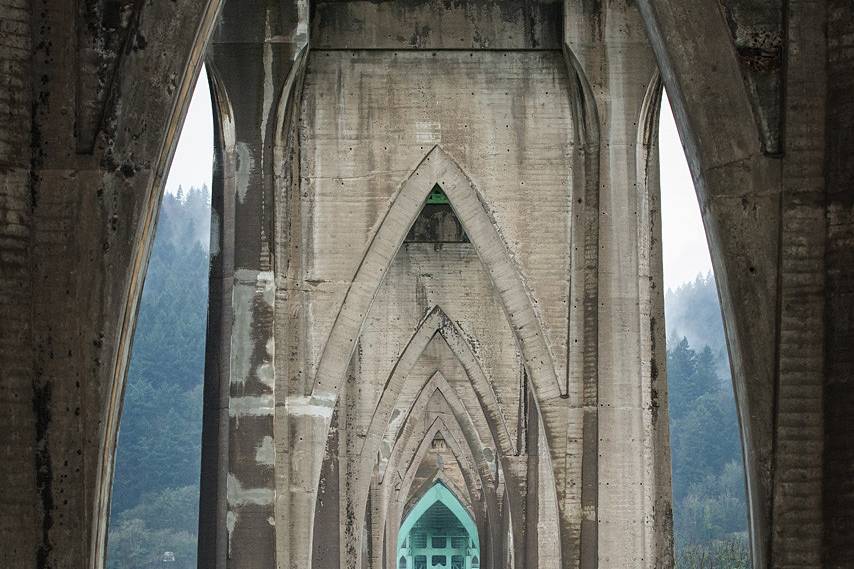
(155, 495)
(709, 505)
(155, 498)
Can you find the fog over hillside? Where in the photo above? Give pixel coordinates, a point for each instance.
(693, 311)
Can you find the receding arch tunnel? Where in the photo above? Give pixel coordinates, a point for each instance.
(325, 110)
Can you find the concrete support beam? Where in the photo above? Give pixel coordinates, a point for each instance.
(114, 194)
(607, 47)
(252, 54)
(764, 217)
(78, 220)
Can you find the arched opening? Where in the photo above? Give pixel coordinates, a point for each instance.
(154, 502)
(708, 476)
(438, 532)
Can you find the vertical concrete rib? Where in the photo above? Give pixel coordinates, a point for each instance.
(18, 529)
(658, 491)
(611, 50)
(838, 466)
(213, 535)
(583, 351)
(799, 428)
(252, 55)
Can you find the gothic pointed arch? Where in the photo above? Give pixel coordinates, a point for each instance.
(438, 478)
(484, 503)
(129, 137)
(414, 441)
(438, 383)
(437, 167)
(415, 447)
(309, 416)
(438, 326)
(436, 321)
(412, 445)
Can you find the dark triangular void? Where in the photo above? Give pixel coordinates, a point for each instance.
(437, 222)
(438, 533)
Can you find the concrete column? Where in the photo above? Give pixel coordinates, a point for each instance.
(251, 57)
(614, 59)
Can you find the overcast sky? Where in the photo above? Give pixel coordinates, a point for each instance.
(685, 251)
(193, 161)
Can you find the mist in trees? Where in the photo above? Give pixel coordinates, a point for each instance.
(709, 503)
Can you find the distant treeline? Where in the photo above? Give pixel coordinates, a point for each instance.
(709, 504)
(156, 489)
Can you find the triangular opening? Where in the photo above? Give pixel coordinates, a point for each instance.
(437, 196)
(437, 222)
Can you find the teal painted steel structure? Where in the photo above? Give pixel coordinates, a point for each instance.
(438, 533)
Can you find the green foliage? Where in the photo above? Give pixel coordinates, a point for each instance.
(155, 491)
(709, 504)
(693, 311)
(727, 554)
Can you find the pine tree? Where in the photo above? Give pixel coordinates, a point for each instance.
(155, 493)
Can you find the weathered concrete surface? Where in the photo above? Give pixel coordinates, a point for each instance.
(756, 153)
(357, 300)
(609, 51)
(252, 54)
(435, 24)
(542, 366)
(19, 531)
(771, 224)
(95, 99)
(838, 299)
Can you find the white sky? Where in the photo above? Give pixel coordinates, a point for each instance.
(193, 161)
(685, 251)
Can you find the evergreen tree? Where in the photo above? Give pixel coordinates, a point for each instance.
(708, 475)
(155, 491)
